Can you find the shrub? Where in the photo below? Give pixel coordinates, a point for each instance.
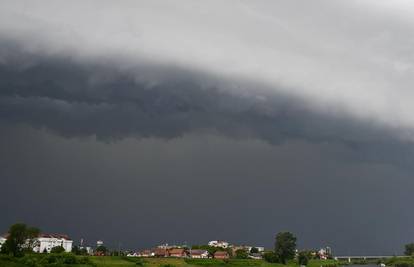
(271, 257)
(68, 258)
(303, 259)
(58, 249)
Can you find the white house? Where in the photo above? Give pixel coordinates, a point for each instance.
(2, 240)
(45, 242)
(218, 243)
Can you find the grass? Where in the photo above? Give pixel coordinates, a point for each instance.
(172, 262)
(112, 262)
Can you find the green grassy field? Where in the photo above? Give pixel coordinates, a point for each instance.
(39, 261)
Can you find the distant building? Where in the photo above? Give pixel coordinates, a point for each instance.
(2, 240)
(199, 254)
(246, 248)
(99, 243)
(146, 253)
(177, 252)
(221, 255)
(45, 243)
(325, 253)
(161, 252)
(260, 249)
(165, 246)
(219, 243)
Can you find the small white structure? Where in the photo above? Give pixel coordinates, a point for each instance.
(218, 243)
(45, 242)
(2, 240)
(325, 253)
(260, 249)
(99, 243)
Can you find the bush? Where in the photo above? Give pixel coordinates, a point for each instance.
(69, 259)
(241, 254)
(271, 257)
(303, 259)
(58, 249)
(404, 264)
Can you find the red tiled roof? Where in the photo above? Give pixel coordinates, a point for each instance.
(160, 252)
(176, 251)
(59, 236)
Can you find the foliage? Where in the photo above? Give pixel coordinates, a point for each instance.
(285, 246)
(76, 250)
(254, 250)
(241, 254)
(102, 249)
(20, 238)
(49, 260)
(303, 258)
(271, 257)
(208, 262)
(409, 249)
(404, 264)
(57, 249)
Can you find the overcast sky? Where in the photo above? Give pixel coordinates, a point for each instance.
(144, 122)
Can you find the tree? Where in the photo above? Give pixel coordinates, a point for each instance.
(57, 249)
(271, 257)
(76, 250)
(20, 238)
(101, 250)
(409, 249)
(254, 250)
(285, 246)
(303, 258)
(241, 254)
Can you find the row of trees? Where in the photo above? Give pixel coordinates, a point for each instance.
(409, 249)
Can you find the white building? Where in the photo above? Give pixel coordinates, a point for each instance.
(45, 242)
(218, 243)
(99, 243)
(2, 240)
(325, 253)
(260, 249)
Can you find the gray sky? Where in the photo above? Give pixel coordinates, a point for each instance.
(165, 121)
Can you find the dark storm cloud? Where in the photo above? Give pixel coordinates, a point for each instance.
(75, 98)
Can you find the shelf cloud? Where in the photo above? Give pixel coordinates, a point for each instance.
(351, 57)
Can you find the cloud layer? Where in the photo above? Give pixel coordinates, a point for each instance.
(349, 57)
